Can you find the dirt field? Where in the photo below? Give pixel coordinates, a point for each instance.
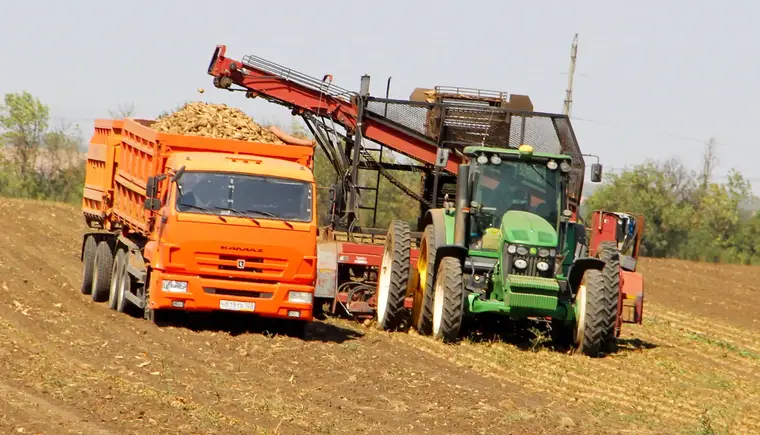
(72, 366)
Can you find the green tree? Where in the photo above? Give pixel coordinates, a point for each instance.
(37, 161)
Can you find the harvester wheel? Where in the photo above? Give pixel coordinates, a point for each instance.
(423, 321)
(394, 277)
(113, 289)
(88, 264)
(593, 314)
(448, 300)
(609, 254)
(101, 279)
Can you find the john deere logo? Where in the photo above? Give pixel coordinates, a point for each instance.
(533, 251)
(241, 264)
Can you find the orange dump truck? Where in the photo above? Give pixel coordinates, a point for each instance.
(198, 224)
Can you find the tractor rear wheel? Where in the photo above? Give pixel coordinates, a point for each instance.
(611, 272)
(101, 278)
(88, 264)
(393, 277)
(448, 300)
(423, 297)
(593, 312)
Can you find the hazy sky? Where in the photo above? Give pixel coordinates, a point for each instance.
(654, 78)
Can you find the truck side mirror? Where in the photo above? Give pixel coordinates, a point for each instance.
(152, 204)
(596, 172)
(151, 187)
(441, 157)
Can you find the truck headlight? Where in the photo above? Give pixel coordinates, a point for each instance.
(299, 297)
(171, 286)
(542, 266)
(521, 264)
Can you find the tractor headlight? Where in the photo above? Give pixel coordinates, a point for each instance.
(521, 264)
(552, 252)
(542, 266)
(495, 159)
(511, 249)
(482, 159)
(564, 167)
(551, 164)
(543, 252)
(522, 250)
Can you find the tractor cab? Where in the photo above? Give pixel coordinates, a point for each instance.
(516, 205)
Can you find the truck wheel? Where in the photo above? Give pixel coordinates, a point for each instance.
(426, 270)
(593, 313)
(394, 277)
(88, 264)
(448, 300)
(125, 284)
(113, 289)
(611, 272)
(101, 279)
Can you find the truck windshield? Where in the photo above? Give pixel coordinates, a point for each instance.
(516, 185)
(256, 196)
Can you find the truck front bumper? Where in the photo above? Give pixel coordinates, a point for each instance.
(193, 293)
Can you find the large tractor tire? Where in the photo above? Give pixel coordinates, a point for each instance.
(611, 272)
(394, 277)
(113, 290)
(448, 300)
(101, 279)
(592, 301)
(423, 295)
(88, 264)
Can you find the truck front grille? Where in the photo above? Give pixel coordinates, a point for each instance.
(244, 267)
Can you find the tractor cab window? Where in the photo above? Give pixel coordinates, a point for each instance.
(513, 185)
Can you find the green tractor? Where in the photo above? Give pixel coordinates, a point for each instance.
(507, 245)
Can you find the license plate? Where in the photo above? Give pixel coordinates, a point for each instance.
(237, 305)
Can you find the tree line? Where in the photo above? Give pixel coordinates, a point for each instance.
(689, 215)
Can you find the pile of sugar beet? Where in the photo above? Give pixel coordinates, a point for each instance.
(222, 122)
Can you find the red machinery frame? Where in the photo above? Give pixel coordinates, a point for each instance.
(393, 124)
(607, 226)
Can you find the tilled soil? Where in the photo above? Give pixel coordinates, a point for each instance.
(69, 365)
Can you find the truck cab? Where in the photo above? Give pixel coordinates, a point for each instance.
(235, 233)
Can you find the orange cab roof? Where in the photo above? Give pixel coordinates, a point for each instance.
(244, 164)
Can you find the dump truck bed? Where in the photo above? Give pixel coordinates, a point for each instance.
(123, 153)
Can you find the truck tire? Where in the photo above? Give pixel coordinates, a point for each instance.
(393, 277)
(88, 264)
(448, 300)
(101, 280)
(113, 289)
(611, 272)
(125, 285)
(426, 269)
(596, 313)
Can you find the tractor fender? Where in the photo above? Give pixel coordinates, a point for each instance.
(579, 268)
(459, 252)
(435, 217)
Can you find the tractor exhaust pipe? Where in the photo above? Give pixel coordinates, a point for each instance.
(463, 175)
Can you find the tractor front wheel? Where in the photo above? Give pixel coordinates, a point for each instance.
(393, 277)
(592, 302)
(611, 273)
(448, 300)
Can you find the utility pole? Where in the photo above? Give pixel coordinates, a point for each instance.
(571, 73)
